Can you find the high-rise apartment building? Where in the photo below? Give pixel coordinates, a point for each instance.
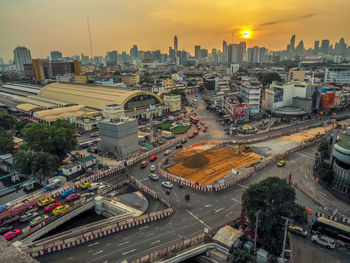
(112, 58)
(197, 52)
(325, 46)
(134, 52)
(22, 56)
(224, 51)
(55, 55)
(235, 53)
(175, 43)
(316, 47)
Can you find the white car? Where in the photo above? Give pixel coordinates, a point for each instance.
(167, 152)
(152, 168)
(153, 177)
(167, 184)
(323, 241)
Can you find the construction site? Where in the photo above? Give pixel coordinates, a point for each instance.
(208, 165)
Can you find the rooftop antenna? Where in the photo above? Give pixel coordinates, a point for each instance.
(88, 24)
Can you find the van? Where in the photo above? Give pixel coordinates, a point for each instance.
(323, 241)
(94, 186)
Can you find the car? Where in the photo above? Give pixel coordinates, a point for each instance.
(153, 177)
(77, 134)
(204, 130)
(202, 122)
(143, 164)
(184, 140)
(167, 152)
(153, 158)
(68, 192)
(60, 209)
(323, 241)
(5, 229)
(298, 230)
(52, 206)
(167, 184)
(96, 185)
(281, 163)
(11, 220)
(12, 234)
(72, 197)
(46, 202)
(199, 128)
(85, 185)
(178, 146)
(191, 136)
(94, 135)
(142, 123)
(38, 220)
(27, 217)
(152, 168)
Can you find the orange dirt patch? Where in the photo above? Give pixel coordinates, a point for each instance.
(206, 167)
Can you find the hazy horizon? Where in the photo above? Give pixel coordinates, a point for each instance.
(43, 26)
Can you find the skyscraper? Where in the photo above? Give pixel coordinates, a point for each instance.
(235, 53)
(175, 43)
(55, 55)
(325, 46)
(134, 52)
(197, 52)
(112, 58)
(224, 51)
(316, 47)
(292, 44)
(22, 56)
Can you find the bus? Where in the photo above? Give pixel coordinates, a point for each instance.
(332, 229)
(8, 215)
(194, 119)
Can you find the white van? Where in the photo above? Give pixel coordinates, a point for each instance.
(94, 186)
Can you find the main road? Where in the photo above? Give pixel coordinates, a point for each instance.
(205, 209)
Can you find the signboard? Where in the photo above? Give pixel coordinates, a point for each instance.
(240, 112)
(278, 96)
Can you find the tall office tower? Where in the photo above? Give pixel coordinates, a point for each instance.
(172, 53)
(224, 51)
(235, 53)
(292, 44)
(300, 50)
(55, 55)
(325, 46)
(175, 43)
(316, 47)
(197, 52)
(340, 48)
(134, 52)
(112, 58)
(203, 53)
(22, 56)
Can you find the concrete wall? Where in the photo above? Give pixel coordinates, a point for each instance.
(302, 103)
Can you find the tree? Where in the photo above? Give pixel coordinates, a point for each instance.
(325, 173)
(267, 78)
(241, 256)
(21, 123)
(57, 139)
(6, 120)
(323, 148)
(6, 141)
(274, 198)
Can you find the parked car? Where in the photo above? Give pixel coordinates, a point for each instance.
(94, 186)
(27, 217)
(281, 163)
(167, 184)
(195, 132)
(191, 136)
(12, 234)
(94, 135)
(154, 177)
(11, 220)
(204, 130)
(67, 192)
(143, 164)
(46, 202)
(184, 140)
(178, 146)
(298, 230)
(153, 158)
(5, 229)
(60, 209)
(52, 206)
(152, 168)
(167, 152)
(323, 241)
(72, 197)
(77, 134)
(85, 185)
(38, 220)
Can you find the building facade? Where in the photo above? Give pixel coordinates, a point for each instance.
(22, 56)
(250, 93)
(339, 74)
(173, 101)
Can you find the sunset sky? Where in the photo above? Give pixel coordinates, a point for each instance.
(44, 25)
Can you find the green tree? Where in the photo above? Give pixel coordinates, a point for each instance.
(6, 120)
(23, 162)
(323, 147)
(21, 123)
(274, 198)
(57, 139)
(325, 173)
(241, 256)
(267, 78)
(6, 141)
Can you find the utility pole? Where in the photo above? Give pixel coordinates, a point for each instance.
(285, 234)
(256, 229)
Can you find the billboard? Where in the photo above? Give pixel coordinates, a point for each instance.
(278, 96)
(240, 112)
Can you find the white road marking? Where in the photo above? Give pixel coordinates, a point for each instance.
(129, 252)
(234, 199)
(207, 205)
(143, 227)
(155, 242)
(149, 235)
(124, 243)
(139, 232)
(229, 214)
(218, 210)
(196, 217)
(242, 185)
(93, 244)
(90, 250)
(98, 252)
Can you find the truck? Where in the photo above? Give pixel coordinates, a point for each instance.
(167, 134)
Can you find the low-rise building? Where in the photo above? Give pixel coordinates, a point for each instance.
(250, 93)
(173, 101)
(131, 79)
(339, 73)
(296, 74)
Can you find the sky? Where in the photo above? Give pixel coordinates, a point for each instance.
(45, 25)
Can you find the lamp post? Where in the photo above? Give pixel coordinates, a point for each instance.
(256, 229)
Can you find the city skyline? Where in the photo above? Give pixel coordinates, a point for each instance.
(202, 23)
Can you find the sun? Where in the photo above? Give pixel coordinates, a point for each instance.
(246, 34)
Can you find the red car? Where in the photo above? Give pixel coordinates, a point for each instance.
(153, 158)
(12, 234)
(52, 206)
(72, 197)
(191, 136)
(142, 123)
(77, 134)
(204, 130)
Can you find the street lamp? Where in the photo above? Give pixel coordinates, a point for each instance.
(256, 229)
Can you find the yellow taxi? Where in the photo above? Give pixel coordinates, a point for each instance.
(60, 209)
(46, 202)
(281, 163)
(85, 185)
